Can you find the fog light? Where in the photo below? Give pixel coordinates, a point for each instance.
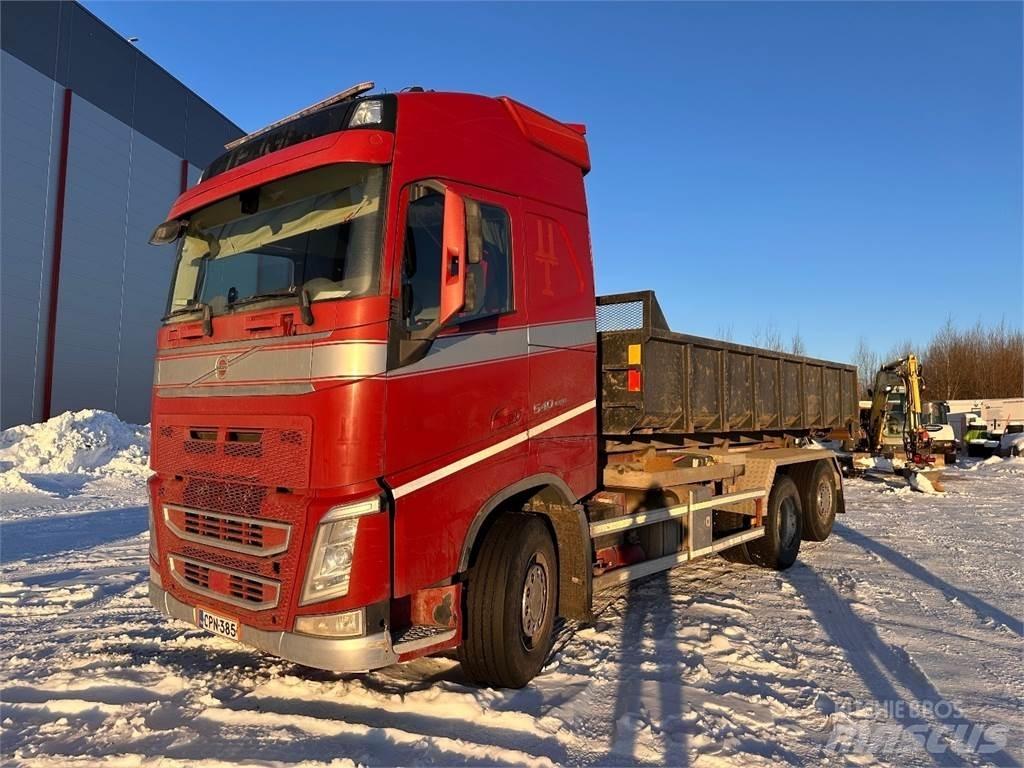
(347, 624)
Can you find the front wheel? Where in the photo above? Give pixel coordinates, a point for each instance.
(510, 603)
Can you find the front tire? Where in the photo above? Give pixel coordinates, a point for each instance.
(510, 603)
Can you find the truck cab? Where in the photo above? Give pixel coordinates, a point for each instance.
(380, 326)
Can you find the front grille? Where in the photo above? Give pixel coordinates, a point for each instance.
(246, 533)
(235, 498)
(200, 447)
(245, 450)
(243, 590)
(238, 534)
(276, 455)
(195, 574)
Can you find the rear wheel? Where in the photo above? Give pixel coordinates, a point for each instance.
(510, 603)
(819, 497)
(779, 546)
(737, 554)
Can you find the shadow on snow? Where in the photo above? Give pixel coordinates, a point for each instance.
(32, 537)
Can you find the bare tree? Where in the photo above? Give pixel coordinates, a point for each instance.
(725, 332)
(797, 346)
(867, 362)
(900, 350)
(768, 337)
(978, 362)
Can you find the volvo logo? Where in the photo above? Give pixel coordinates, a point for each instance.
(220, 370)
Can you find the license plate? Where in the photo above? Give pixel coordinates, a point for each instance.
(219, 625)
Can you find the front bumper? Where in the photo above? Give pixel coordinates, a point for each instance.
(350, 654)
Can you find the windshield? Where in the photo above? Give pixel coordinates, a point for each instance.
(318, 231)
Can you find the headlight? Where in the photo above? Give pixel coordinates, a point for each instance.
(330, 562)
(367, 113)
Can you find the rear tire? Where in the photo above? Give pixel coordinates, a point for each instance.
(737, 555)
(510, 603)
(819, 497)
(778, 548)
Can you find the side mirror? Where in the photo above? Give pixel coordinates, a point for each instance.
(168, 232)
(453, 257)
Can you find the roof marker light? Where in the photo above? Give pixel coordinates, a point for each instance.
(367, 113)
(348, 93)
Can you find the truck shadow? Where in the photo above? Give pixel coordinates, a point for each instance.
(904, 563)
(649, 654)
(423, 724)
(32, 537)
(882, 668)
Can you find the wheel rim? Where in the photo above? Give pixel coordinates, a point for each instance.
(788, 530)
(535, 600)
(824, 500)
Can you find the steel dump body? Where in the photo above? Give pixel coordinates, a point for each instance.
(656, 382)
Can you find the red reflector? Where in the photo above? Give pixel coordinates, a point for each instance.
(633, 380)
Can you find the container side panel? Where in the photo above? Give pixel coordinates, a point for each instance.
(792, 399)
(739, 391)
(812, 395)
(705, 389)
(768, 414)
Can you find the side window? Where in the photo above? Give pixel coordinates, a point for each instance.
(489, 273)
(421, 264)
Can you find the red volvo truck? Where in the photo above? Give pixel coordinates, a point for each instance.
(390, 417)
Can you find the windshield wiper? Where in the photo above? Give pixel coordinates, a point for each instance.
(293, 291)
(191, 307)
(283, 293)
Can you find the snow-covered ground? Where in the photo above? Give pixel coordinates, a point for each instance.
(897, 642)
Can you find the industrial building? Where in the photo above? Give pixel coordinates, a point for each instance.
(96, 142)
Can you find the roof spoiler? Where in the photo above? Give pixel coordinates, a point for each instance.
(562, 139)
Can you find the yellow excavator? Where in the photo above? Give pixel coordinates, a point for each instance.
(894, 420)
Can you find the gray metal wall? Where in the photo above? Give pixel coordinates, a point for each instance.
(131, 125)
(30, 124)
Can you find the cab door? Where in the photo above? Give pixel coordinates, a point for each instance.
(457, 416)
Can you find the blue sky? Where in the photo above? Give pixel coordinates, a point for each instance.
(837, 169)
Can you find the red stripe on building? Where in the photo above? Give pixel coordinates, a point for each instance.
(58, 237)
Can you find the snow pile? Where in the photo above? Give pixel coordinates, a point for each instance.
(879, 463)
(1013, 465)
(89, 442)
(919, 482)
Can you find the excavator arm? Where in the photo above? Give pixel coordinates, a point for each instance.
(905, 371)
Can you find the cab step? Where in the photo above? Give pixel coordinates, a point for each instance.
(419, 636)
